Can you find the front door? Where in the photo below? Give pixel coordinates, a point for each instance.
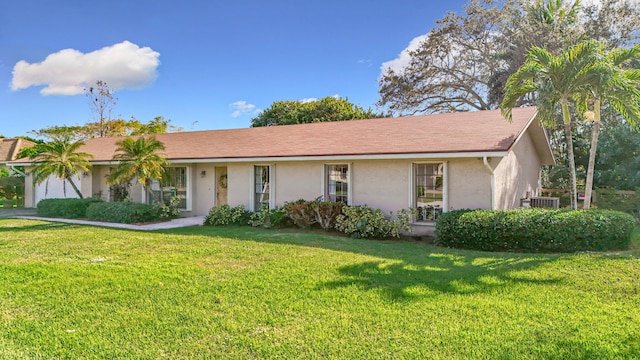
(221, 186)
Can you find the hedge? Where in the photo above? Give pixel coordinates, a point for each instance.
(122, 212)
(72, 208)
(226, 215)
(535, 230)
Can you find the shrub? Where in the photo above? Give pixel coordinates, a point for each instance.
(167, 209)
(326, 213)
(65, 208)
(307, 213)
(301, 213)
(535, 230)
(122, 212)
(268, 218)
(226, 215)
(363, 221)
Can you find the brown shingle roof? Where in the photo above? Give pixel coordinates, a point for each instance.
(9, 148)
(481, 131)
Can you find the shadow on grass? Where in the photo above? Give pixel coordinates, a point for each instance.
(404, 270)
(438, 273)
(33, 225)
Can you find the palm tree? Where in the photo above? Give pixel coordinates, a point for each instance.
(142, 159)
(554, 81)
(619, 86)
(60, 157)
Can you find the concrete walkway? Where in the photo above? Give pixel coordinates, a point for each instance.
(175, 223)
(13, 212)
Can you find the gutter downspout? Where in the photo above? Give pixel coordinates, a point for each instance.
(485, 161)
(14, 169)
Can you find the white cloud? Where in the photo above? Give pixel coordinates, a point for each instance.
(241, 107)
(69, 71)
(403, 59)
(308, 100)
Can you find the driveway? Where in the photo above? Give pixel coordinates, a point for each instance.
(14, 212)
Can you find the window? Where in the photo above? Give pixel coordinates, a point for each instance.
(337, 183)
(173, 184)
(428, 190)
(261, 184)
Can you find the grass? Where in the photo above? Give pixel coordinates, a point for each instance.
(70, 292)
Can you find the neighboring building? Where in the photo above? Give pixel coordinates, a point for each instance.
(9, 149)
(433, 162)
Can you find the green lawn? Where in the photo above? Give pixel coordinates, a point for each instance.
(77, 292)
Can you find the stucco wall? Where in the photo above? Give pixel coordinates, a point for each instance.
(99, 185)
(517, 174)
(239, 184)
(55, 188)
(469, 184)
(86, 182)
(383, 184)
(298, 180)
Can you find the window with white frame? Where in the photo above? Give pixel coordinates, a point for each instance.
(174, 183)
(261, 185)
(428, 190)
(337, 183)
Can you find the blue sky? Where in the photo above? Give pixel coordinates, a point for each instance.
(203, 64)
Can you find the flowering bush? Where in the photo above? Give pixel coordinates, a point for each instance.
(226, 215)
(365, 222)
(168, 209)
(268, 218)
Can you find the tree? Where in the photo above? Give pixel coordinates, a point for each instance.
(618, 162)
(550, 24)
(60, 132)
(159, 125)
(451, 69)
(30, 151)
(554, 82)
(304, 112)
(61, 158)
(620, 88)
(116, 127)
(142, 158)
(464, 61)
(101, 103)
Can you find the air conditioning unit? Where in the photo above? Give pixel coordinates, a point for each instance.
(545, 202)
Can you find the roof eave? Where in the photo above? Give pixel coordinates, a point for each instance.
(412, 156)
